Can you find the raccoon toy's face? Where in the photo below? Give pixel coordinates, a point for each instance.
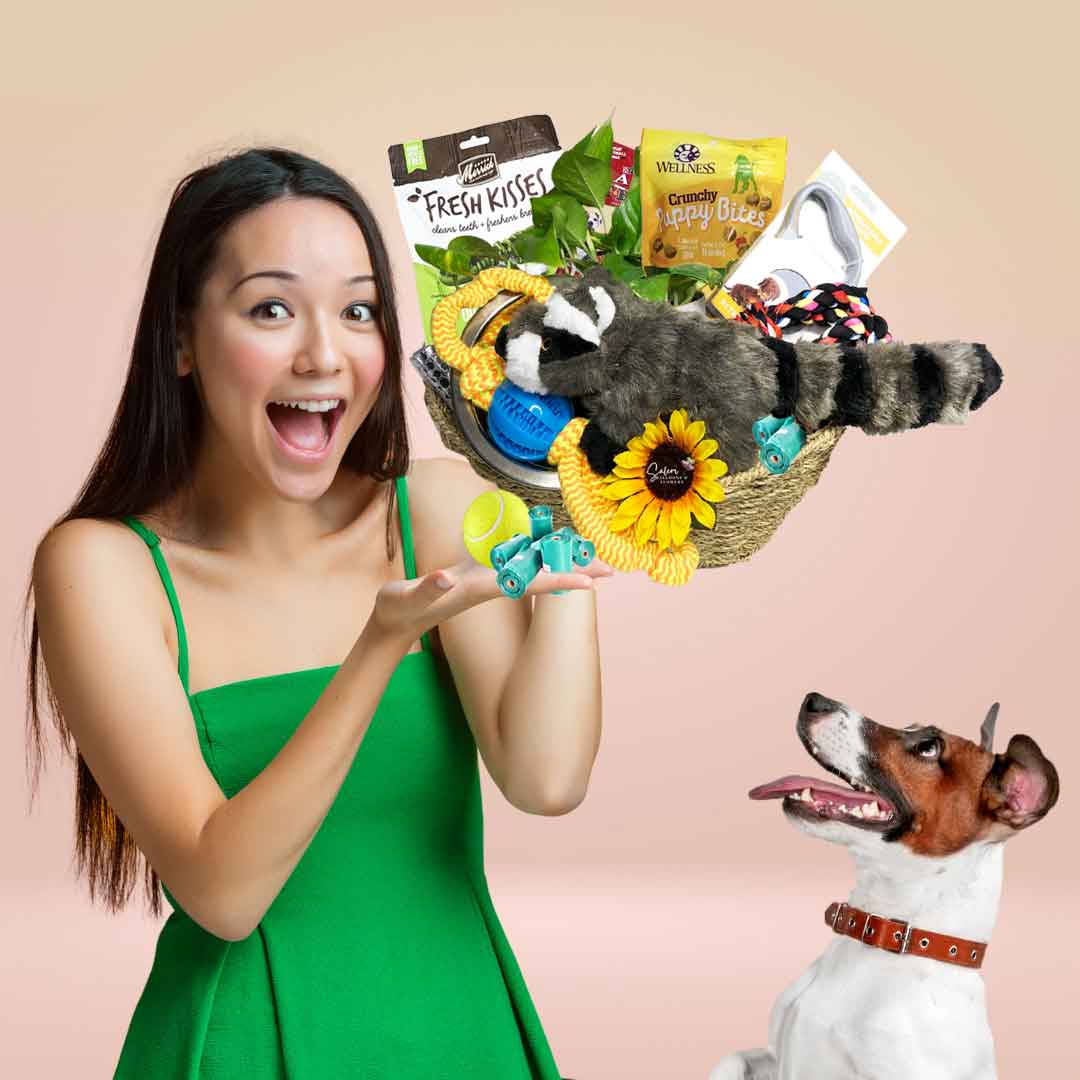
(556, 347)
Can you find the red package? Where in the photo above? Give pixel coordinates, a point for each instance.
(622, 172)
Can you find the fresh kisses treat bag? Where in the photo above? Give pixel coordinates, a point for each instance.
(706, 200)
(474, 183)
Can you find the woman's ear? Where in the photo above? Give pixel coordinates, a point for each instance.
(184, 365)
(1022, 785)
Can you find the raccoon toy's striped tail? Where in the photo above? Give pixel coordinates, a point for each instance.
(881, 388)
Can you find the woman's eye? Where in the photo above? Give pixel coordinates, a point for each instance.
(274, 310)
(360, 312)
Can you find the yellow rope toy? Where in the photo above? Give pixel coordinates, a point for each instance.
(482, 370)
(480, 366)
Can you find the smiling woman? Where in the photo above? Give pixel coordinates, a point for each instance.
(315, 823)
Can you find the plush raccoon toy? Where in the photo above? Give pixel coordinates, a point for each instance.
(629, 360)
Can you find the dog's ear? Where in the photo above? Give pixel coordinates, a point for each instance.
(1021, 786)
(986, 732)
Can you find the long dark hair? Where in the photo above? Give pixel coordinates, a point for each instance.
(151, 446)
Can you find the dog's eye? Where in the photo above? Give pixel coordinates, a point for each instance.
(929, 749)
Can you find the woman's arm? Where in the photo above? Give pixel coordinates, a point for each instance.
(224, 859)
(527, 670)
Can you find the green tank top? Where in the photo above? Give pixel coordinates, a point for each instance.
(382, 958)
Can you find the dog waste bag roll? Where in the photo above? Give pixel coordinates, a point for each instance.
(764, 427)
(778, 453)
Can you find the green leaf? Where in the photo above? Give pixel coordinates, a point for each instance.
(697, 271)
(622, 268)
(626, 222)
(449, 262)
(599, 142)
(583, 177)
(472, 247)
(681, 290)
(539, 245)
(652, 288)
(565, 213)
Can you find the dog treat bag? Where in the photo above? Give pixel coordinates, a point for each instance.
(705, 200)
(477, 182)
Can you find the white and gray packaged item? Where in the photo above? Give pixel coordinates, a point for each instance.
(473, 183)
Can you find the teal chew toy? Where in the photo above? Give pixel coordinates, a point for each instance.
(519, 559)
(782, 446)
(765, 427)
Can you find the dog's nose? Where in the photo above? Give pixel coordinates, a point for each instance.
(818, 703)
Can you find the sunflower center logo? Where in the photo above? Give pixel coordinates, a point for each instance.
(666, 474)
(686, 152)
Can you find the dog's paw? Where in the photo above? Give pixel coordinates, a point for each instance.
(731, 1068)
(747, 1065)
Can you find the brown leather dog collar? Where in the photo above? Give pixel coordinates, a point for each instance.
(897, 936)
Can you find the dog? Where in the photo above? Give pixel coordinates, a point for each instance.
(898, 995)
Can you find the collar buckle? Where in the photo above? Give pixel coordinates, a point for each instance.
(902, 938)
(840, 908)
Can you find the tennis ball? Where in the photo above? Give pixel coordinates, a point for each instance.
(492, 518)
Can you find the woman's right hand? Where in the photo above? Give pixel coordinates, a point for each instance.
(406, 608)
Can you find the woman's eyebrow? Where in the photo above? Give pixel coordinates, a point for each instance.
(288, 275)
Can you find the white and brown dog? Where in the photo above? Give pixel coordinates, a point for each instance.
(897, 995)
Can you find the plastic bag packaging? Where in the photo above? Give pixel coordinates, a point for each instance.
(705, 200)
(477, 183)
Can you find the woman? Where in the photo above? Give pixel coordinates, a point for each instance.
(314, 821)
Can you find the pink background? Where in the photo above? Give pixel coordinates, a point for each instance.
(925, 577)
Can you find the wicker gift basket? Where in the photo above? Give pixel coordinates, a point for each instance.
(755, 501)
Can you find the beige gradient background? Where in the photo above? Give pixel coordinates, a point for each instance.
(926, 576)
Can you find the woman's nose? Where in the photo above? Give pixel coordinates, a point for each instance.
(318, 352)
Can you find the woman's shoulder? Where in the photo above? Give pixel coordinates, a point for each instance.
(440, 490)
(97, 560)
(86, 541)
(427, 473)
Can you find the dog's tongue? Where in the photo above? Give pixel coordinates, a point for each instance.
(789, 785)
(298, 427)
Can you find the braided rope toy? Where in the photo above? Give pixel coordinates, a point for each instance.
(843, 309)
(482, 370)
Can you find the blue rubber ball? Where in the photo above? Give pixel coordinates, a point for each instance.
(523, 425)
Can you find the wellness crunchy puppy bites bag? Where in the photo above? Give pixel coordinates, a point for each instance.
(706, 200)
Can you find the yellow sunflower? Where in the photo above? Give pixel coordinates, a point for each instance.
(664, 476)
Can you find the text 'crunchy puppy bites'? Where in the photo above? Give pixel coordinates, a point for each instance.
(705, 200)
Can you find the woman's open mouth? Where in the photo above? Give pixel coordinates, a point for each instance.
(305, 429)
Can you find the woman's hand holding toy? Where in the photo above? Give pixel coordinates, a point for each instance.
(405, 609)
